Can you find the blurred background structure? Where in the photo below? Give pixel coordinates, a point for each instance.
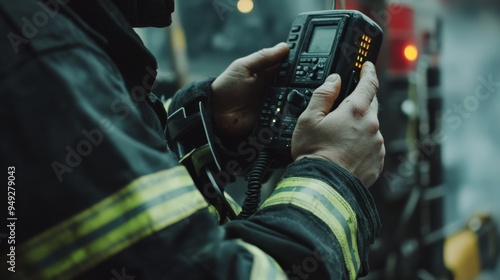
(440, 97)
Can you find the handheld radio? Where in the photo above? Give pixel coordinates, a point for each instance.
(321, 43)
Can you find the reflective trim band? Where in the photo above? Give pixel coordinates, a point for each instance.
(234, 205)
(264, 267)
(213, 211)
(166, 104)
(329, 206)
(145, 206)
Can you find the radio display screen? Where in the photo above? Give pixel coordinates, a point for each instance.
(322, 39)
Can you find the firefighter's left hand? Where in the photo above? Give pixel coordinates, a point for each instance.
(238, 92)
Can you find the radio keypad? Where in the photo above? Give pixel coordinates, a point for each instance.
(310, 69)
(272, 107)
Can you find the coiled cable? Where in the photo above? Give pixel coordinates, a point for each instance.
(254, 186)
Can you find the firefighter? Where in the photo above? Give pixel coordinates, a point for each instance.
(99, 196)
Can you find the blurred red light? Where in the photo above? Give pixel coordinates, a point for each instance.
(410, 52)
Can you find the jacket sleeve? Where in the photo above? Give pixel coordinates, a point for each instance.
(100, 197)
(317, 224)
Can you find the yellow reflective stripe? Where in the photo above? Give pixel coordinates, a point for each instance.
(264, 267)
(322, 201)
(149, 222)
(62, 252)
(107, 210)
(234, 205)
(213, 211)
(166, 104)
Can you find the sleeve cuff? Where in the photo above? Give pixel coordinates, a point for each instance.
(226, 148)
(349, 189)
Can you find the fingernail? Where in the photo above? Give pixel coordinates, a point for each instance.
(281, 45)
(332, 78)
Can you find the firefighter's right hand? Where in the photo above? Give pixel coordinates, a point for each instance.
(349, 135)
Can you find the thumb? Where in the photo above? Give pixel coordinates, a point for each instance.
(323, 97)
(265, 58)
(366, 89)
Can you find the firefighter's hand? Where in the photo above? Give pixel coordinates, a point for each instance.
(238, 92)
(349, 135)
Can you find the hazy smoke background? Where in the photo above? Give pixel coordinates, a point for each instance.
(471, 54)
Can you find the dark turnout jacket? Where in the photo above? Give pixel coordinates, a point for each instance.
(99, 196)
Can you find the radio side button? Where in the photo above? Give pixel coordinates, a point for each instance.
(284, 65)
(293, 37)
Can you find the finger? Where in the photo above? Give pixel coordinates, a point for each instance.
(366, 90)
(372, 118)
(323, 97)
(265, 58)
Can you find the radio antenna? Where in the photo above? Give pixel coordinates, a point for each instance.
(342, 4)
